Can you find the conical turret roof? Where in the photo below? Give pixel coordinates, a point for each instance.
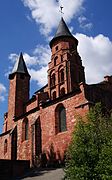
(20, 66)
(62, 31)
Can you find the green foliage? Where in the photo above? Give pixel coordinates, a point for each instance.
(89, 156)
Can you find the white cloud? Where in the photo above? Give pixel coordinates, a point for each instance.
(13, 57)
(37, 63)
(84, 23)
(30, 60)
(39, 75)
(2, 92)
(96, 54)
(46, 13)
(43, 54)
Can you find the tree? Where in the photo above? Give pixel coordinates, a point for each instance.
(89, 156)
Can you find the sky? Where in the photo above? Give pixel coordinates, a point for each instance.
(27, 26)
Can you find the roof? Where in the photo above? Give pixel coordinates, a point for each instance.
(5, 133)
(62, 31)
(20, 66)
(41, 89)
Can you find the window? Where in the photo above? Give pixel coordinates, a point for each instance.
(61, 75)
(60, 121)
(5, 146)
(25, 130)
(55, 60)
(56, 48)
(53, 80)
(54, 95)
(62, 92)
(61, 58)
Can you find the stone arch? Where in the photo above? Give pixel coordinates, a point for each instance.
(60, 119)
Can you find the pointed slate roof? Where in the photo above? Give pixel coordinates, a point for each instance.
(62, 31)
(20, 66)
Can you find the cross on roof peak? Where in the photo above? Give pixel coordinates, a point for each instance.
(61, 10)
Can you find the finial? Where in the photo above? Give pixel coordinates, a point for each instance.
(61, 10)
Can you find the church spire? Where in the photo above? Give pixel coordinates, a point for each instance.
(20, 66)
(62, 31)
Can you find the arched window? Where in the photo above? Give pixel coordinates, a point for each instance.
(60, 121)
(25, 130)
(5, 146)
(54, 95)
(61, 75)
(53, 79)
(62, 91)
(55, 60)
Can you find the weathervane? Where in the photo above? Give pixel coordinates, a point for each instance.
(61, 10)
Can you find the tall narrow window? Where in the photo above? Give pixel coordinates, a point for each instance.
(54, 95)
(60, 119)
(62, 91)
(61, 58)
(53, 80)
(5, 146)
(61, 75)
(55, 60)
(25, 130)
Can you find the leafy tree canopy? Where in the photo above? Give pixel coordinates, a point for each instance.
(89, 156)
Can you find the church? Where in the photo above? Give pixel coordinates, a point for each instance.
(42, 126)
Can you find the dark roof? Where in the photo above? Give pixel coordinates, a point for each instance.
(41, 89)
(5, 133)
(62, 31)
(20, 66)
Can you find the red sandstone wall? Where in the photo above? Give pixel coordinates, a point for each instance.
(7, 155)
(59, 141)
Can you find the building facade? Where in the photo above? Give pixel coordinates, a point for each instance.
(42, 126)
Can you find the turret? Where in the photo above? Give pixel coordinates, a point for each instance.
(65, 69)
(18, 90)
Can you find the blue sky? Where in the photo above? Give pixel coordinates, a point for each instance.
(28, 26)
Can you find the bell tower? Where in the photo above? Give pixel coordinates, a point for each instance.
(65, 68)
(18, 90)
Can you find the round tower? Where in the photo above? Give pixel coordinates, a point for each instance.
(65, 69)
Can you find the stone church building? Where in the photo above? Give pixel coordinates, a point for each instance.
(42, 125)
